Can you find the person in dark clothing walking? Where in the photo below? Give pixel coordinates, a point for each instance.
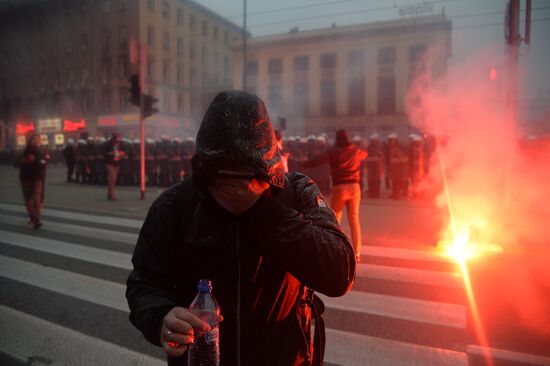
(374, 166)
(345, 163)
(266, 239)
(69, 155)
(112, 154)
(32, 175)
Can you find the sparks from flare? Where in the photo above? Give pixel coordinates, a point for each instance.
(461, 249)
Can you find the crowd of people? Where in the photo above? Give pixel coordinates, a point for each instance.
(400, 166)
(167, 160)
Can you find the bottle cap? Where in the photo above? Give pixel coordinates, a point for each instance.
(205, 285)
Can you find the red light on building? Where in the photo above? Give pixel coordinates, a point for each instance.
(22, 128)
(493, 74)
(72, 126)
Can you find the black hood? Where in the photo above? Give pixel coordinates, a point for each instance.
(236, 138)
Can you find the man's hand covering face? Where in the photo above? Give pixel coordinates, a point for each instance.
(236, 195)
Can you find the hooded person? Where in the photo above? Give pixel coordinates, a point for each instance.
(264, 238)
(345, 161)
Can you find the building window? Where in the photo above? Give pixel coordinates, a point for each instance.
(123, 62)
(179, 74)
(106, 6)
(386, 55)
(106, 40)
(204, 56)
(356, 95)
(106, 71)
(192, 50)
(328, 97)
(84, 42)
(275, 66)
(225, 38)
(123, 5)
(123, 37)
(151, 5)
(166, 41)
(179, 16)
(386, 95)
(204, 28)
(191, 77)
(416, 53)
(275, 97)
(301, 99)
(150, 70)
(106, 100)
(328, 61)
(251, 73)
(166, 9)
(192, 22)
(166, 102)
(226, 64)
(69, 49)
(165, 71)
(180, 46)
(150, 36)
(301, 63)
(180, 103)
(215, 34)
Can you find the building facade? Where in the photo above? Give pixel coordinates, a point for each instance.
(353, 77)
(65, 65)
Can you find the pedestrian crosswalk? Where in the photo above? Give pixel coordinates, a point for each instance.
(62, 299)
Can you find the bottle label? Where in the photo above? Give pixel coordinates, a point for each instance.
(212, 336)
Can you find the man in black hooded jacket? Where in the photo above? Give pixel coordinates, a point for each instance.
(261, 236)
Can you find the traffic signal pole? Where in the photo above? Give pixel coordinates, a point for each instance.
(142, 62)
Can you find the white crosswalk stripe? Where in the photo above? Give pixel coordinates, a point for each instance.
(344, 346)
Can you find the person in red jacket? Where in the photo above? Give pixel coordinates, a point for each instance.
(345, 160)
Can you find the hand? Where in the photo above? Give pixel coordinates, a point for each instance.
(236, 195)
(177, 331)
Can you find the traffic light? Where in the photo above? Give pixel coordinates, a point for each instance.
(148, 108)
(135, 90)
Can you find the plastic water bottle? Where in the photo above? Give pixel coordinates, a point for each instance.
(206, 349)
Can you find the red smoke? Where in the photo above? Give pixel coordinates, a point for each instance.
(498, 180)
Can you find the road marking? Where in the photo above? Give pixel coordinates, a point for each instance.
(410, 275)
(504, 355)
(429, 312)
(351, 349)
(57, 247)
(25, 336)
(108, 220)
(400, 253)
(82, 287)
(89, 232)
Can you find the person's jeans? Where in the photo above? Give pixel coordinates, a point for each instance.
(348, 195)
(112, 172)
(33, 193)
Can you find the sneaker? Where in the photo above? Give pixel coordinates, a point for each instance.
(37, 224)
(111, 198)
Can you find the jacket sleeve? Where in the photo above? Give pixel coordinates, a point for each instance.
(150, 292)
(307, 241)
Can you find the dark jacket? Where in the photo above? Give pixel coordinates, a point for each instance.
(345, 163)
(35, 170)
(287, 240)
(374, 161)
(112, 152)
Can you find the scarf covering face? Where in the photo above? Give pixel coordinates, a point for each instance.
(236, 138)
